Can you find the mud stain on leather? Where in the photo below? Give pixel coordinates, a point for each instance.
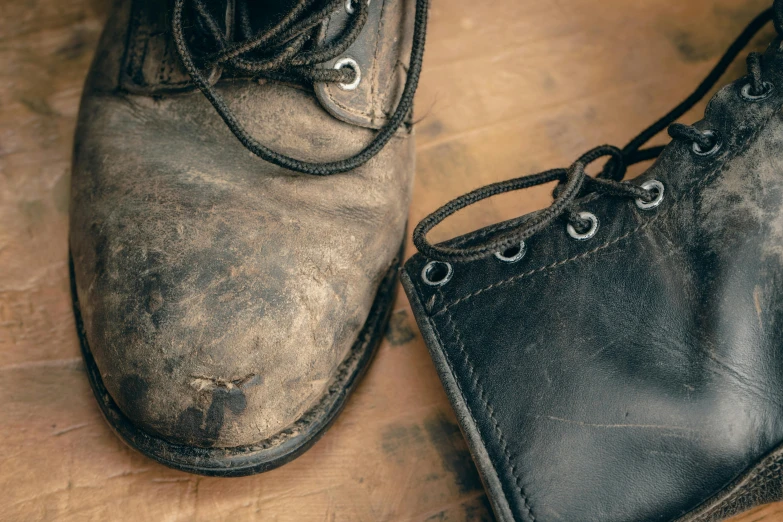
(446, 438)
(171, 364)
(101, 242)
(745, 200)
(204, 428)
(400, 331)
(154, 304)
(133, 394)
(153, 287)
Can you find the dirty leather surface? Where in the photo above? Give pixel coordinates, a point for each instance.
(219, 292)
(632, 376)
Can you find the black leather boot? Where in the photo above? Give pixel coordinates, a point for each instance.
(229, 296)
(618, 357)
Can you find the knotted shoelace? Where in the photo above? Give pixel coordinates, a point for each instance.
(288, 51)
(574, 183)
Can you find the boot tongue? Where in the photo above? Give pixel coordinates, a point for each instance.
(264, 15)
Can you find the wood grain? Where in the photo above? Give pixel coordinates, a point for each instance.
(510, 87)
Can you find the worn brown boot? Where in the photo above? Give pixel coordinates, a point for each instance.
(229, 296)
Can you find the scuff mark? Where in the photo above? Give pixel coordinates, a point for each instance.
(622, 426)
(757, 302)
(201, 382)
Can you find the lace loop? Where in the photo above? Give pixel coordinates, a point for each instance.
(571, 183)
(574, 183)
(287, 52)
(704, 140)
(754, 71)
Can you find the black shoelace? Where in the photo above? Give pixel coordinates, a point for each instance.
(287, 52)
(574, 183)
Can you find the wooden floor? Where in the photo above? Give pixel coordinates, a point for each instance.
(510, 87)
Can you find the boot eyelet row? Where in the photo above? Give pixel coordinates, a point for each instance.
(437, 273)
(349, 62)
(349, 6)
(747, 92)
(512, 254)
(652, 184)
(718, 143)
(590, 232)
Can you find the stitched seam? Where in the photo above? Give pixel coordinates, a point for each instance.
(643, 226)
(129, 60)
(330, 92)
(329, 87)
(482, 396)
(384, 108)
(171, 62)
(346, 108)
(133, 60)
(376, 104)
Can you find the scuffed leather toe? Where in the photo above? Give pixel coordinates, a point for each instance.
(227, 306)
(220, 293)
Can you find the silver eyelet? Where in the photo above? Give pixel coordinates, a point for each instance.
(437, 273)
(349, 62)
(652, 184)
(746, 93)
(715, 148)
(349, 6)
(590, 233)
(517, 252)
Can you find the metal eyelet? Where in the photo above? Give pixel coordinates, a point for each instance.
(590, 233)
(512, 254)
(437, 273)
(349, 6)
(747, 93)
(652, 184)
(718, 143)
(349, 62)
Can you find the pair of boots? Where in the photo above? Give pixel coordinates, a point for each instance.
(242, 174)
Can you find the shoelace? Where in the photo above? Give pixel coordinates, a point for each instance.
(574, 183)
(286, 52)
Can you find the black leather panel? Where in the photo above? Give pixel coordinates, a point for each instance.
(632, 376)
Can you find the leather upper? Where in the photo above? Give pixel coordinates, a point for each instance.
(219, 292)
(150, 64)
(631, 376)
